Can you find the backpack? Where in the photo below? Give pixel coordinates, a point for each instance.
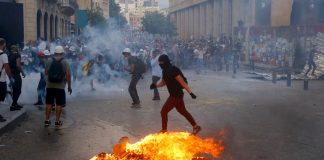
(140, 66)
(56, 72)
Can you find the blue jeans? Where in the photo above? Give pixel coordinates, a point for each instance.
(199, 65)
(41, 89)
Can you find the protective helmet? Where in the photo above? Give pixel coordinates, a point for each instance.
(47, 53)
(127, 50)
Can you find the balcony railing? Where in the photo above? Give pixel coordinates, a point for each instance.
(68, 7)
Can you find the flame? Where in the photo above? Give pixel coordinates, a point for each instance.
(164, 146)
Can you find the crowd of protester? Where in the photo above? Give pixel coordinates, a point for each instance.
(89, 62)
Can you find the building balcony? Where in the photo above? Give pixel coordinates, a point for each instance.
(68, 7)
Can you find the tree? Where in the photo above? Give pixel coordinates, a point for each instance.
(157, 23)
(114, 9)
(114, 13)
(95, 17)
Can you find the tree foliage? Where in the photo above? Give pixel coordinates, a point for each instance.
(95, 17)
(157, 23)
(114, 13)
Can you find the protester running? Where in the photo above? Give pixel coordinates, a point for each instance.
(173, 78)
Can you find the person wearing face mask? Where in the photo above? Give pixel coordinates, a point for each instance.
(174, 80)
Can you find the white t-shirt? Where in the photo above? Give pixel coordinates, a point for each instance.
(199, 53)
(156, 69)
(3, 60)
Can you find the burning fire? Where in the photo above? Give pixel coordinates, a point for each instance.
(164, 146)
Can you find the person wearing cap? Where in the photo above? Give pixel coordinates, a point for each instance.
(156, 72)
(4, 71)
(56, 83)
(135, 77)
(41, 88)
(175, 82)
(16, 69)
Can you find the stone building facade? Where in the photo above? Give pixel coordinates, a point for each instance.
(134, 10)
(90, 4)
(47, 19)
(195, 18)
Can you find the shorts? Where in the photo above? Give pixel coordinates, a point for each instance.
(3, 91)
(55, 96)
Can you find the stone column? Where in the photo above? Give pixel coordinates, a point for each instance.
(178, 23)
(196, 21)
(183, 25)
(225, 17)
(30, 19)
(216, 16)
(202, 19)
(187, 33)
(209, 19)
(42, 32)
(191, 22)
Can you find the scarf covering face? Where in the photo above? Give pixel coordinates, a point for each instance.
(164, 58)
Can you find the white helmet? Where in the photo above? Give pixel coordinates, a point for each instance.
(59, 50)
(127, 50)
(72, 49)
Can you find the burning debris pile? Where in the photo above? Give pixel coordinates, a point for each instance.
(164, 146)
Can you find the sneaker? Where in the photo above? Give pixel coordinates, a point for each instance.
(47, 123)
(156, 99)
(196, 130)
(58, 123)
(39, 104)
(19, 106)
(2, 119)
(136, 105)
(14, 108)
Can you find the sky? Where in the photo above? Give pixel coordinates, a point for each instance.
(164, 3)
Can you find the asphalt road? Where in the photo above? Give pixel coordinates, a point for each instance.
(262, 120)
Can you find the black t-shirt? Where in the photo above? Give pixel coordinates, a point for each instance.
(169, 76)
(133, 60)
(13, 62)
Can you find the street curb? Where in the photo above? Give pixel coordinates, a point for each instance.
(13, 119)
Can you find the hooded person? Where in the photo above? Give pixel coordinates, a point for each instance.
(174, 80)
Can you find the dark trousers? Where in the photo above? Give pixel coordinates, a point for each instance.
(16, 89)
(178, 103)
(155, 80)
(41, 89)
(311, 66)
(132, 88)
